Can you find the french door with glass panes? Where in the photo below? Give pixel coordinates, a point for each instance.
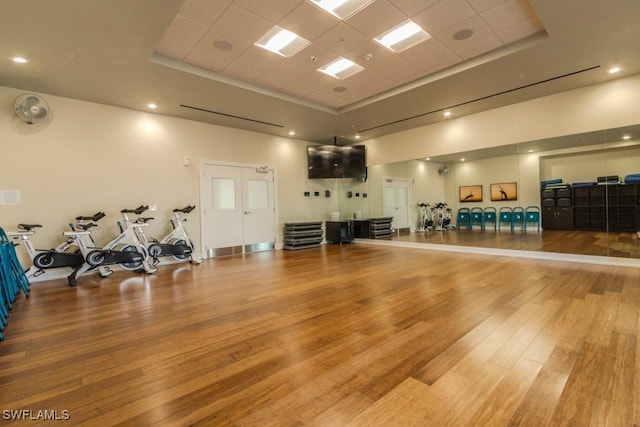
(238, 209)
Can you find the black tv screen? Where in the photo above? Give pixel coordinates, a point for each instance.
(337, 161)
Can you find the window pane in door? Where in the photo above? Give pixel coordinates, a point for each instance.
(258, 194)
(403, 196)
(223, 193)
(389, 196)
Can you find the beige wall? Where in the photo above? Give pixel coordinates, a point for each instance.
(586, 167)
(607, 105)
(88, 157)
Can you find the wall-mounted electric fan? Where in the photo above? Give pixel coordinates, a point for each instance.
(31, 108)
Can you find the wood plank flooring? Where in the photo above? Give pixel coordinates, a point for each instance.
(600, 243)
(350, 335)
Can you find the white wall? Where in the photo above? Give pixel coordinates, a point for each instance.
(88, 157)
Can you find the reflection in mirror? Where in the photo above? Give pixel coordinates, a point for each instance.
(586, 216)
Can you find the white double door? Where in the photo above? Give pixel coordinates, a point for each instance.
(238, 209)
(396, 199)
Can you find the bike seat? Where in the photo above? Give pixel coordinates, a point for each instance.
(144, 220)
(28, 227)
(87, 226)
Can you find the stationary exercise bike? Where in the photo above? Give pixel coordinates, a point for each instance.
(66, 254)
(443, 216)
(426, 217)
(125, 250)
(177, 243)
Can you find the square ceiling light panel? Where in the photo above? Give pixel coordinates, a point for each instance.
(341, 68)
(283, 42)
(403, 36)
(342, 9)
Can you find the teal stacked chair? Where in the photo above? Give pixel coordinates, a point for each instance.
(489, 216)
(12, 279)
(532, 216)
(464, 218)
(476, 217)
(517, 218)
(505, 216)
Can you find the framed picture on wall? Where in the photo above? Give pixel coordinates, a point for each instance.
(505, 191)
(470, 193)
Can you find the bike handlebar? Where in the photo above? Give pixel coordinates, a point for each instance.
(137, 210)
(186, 209)
(97, 216)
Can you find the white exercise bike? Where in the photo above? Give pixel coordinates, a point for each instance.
(176, 244)
(66, 254)
(126, 250)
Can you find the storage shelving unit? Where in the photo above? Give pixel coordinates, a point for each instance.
(613, 207)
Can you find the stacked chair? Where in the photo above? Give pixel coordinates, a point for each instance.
(464, 218)
(532, 216)
(490, 216)
(12, 279)
(477, 217)
(505, 216)
(517, 218)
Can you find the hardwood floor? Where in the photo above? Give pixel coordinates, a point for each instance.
(600, 243)
(350, 335)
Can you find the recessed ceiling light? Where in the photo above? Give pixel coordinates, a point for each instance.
(614, 70)
(357, 136)
(342, 9)
(291, 133)
(428, 158)
(403, 36)
(530, 151)
(447, 113)
(626, 137)
(152, 106)
(19, 60)
(283, 42)
(462, 160)
(341, 68)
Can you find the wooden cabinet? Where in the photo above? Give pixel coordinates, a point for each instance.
(557, 218)
(339, 231)
(557, 211)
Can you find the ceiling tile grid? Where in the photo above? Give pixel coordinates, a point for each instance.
(220, 35)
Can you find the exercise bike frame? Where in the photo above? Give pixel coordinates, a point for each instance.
(177, 243)
(58, 257)
(132, 255)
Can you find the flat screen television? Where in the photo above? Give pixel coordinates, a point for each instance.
(337, 161)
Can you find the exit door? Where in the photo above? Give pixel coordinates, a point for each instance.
(238, 209)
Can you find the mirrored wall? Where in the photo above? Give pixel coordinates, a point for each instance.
(588, 207)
